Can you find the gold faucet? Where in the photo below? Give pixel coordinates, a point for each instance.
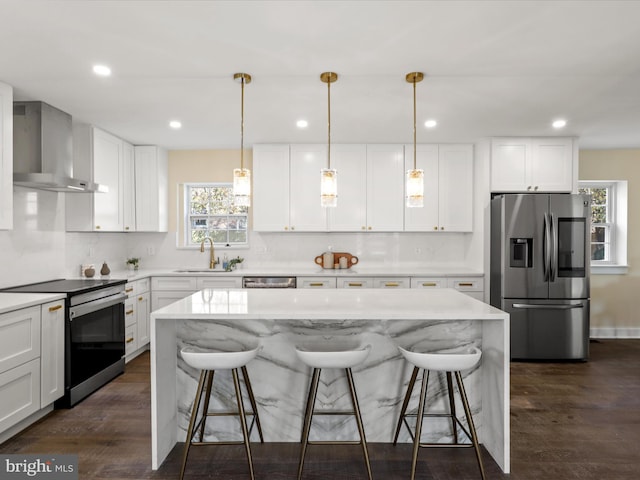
(212, 258)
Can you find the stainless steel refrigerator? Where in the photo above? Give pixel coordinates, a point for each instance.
(540, 255)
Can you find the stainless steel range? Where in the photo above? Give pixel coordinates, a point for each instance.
(94, 333)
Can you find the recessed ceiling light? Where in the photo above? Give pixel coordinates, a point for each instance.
(175, 124)
(430, 123)
(101, 70)
(302, 124)
(559, 123)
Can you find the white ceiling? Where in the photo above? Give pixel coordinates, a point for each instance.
(492, 68)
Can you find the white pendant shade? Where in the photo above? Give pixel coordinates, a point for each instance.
(329, 187)
(242, 187)
(415, 188)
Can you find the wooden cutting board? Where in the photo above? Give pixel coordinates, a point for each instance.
(351, 259)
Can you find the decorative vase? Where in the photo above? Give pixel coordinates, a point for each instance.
(89, 272)
(105, 270)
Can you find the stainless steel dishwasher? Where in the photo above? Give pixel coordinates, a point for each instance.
(268, 282)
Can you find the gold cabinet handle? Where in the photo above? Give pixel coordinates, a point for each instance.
(129, 312)
(140, 299)
(54, 308)
(126, 228)
(97, 227)
(435, 228)
(129, 340)
(364, 228)
(465, 284)
(355, 284)
(392, 284)
(429, 284)
(441, 228)
(286, 228)
(316, 284)
(128, 290)
(369, 228)
(293, 228)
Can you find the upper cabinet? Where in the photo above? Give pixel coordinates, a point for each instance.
(532, 165)
(306, 214)
(350, 161)
(6, 157)
(151, 189)
(385, 188)
(135, 176)
(448, 188)
(270, 203)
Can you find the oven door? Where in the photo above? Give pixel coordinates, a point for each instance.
(95, 344)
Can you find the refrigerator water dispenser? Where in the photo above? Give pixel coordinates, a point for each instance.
(521, 253)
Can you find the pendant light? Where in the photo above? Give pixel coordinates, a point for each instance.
(328, 176)
(242, 176)
(415, 177)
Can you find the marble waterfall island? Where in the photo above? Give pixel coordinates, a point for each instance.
(280, 319)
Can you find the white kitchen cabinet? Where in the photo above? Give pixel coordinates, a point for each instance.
(448, 187)
(472, 286)
(270, 203)
(128, 187)
(306, 214)
(52, 352)
(166, 290)
(428, 282)
(136, 314)
(97, 211)
(219, 282)
(20, 390)
(316, 282)
(354, 282)
(385, 188)
(350, 161)
(151, 189)
(19, 337)
(391, 282)
(532, 164)
(6, 157)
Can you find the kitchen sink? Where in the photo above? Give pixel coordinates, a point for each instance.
(199, 270)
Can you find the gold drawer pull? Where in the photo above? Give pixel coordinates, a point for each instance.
(129, 312)
(128, 290)
(429, 284)
(54, 308)
(465, 284)
(129, 340)
(316, 284)
(392, 284)
(355, 284)
(140, 299)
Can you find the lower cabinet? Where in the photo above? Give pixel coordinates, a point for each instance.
(52, 353)
(137, 308)
(472, 286)
(166, 290)
(316, 282)
(20, 393)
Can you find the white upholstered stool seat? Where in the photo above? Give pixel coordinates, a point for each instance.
(208, 361)
(332, 356)
(450, 362)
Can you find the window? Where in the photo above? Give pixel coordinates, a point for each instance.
(210, 212)
(608, 221)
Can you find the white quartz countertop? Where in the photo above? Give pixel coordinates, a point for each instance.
(10, 301)
(329, 304)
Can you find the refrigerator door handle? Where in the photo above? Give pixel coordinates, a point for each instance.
(525, 306)
(553, 239)
(546, 247)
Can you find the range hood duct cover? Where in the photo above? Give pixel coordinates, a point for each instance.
(43, 150)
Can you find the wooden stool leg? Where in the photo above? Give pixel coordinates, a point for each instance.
(405, 404)
(243, 420)
(416, 439)
(192, 421)
(252, 399)
(472, 428)
(452, 408)
(356, 409)
(313, 391)
(205, 407)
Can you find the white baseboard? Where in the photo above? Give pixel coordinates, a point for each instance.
(614, 332)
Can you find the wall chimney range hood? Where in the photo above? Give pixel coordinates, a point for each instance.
(43, 150)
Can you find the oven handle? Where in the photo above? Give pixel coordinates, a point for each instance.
(90, 307)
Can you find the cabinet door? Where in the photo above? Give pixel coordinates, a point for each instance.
(350, 215)
(424, 219)
(219, 282)
(392, 282)
(354, 282)
(143, 309)
(19, 337)
(151, 189)
(428, 282)
(305, 212)
(128, 188)
(455, 193)
(510, 163)
(20, 389)
(552, 164)
(385, 188)
(108, 170)
(164, 298)
(52, 354)
(316, 282)
(6, 157)
(270, 203)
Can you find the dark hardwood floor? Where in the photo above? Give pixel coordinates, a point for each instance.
(568, 421)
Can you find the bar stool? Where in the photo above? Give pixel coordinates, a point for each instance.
(448, 362)
(208, 362)
(332, 359)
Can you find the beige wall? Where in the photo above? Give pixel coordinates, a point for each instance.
(189, 166)
(615, 299)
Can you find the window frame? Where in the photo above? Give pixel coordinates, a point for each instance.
(186, 203)
(616, 223)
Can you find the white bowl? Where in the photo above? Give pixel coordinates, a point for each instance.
(328, 358)
(444, 361)
(217, 360)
